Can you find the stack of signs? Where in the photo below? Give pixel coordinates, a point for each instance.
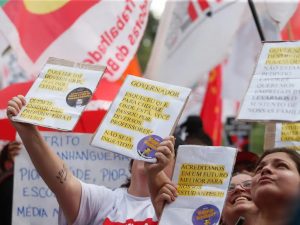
(142, 114)
(202, 175)
(60, 93)
(273, 94)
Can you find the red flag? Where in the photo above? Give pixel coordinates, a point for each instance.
(211, 113)
(34, 33)
(292, 29)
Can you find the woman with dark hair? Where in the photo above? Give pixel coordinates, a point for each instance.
(7, 158)
(276, 185)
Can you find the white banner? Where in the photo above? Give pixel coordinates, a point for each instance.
(192, 38)
(99, 31)
(35, 204)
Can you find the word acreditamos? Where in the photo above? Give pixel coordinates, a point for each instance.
(154, 88)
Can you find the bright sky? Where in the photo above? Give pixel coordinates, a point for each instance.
(157, 7)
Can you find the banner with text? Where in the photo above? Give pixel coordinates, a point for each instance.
(202, 175)
(35, 204)
(96, 31)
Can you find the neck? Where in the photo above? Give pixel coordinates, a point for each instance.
(250, 218)
(138, 188)
(273, 216)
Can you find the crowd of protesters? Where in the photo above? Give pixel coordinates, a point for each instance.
(263, 190)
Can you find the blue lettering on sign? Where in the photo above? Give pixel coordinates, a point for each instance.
(81, 174)
(37, 192)
(30, 211)
(59, 141)
(29, 174)
(91, 155)
(55, 212)
(120, 157)
(113, 174)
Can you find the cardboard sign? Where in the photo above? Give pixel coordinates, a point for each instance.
(60, 93)
(273, 94)
(202, 175)
(142, 114)
(34, 203)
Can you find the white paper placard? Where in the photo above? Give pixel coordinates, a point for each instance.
(142, 114)
(274, 91)
(60, 93)
(202, 175)
(287, 135)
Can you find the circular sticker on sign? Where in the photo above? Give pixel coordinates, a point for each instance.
(206, 215)
(79, 97)
(147, 146)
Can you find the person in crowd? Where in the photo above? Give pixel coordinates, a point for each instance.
(82, 203)
(276, 185)
(239, 201)
(159, 180)
(245, 162)
(8, 154)
(7, 158)
(162, 189)
(194, 132)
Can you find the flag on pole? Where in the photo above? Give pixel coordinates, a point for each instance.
(95, 31)
(292, 29)
(240, 65)
(193, 37)
(211, 113)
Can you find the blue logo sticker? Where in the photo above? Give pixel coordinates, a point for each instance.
(206, 215)
(147, 146)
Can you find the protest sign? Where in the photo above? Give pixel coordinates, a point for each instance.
(282, 135)
(60, 94)
(273, 94)
(202, 175)
(142, 114)
(34, 203)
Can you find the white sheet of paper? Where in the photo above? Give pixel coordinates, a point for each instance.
(273, 94)
(59, 95)
(287, 135)
(143, 113)
(202, 175)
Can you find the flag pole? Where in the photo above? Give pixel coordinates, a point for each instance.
(256, 20)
